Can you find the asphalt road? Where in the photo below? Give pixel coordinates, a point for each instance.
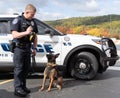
(106, 85)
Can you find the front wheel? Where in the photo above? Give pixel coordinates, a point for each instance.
(84, 66)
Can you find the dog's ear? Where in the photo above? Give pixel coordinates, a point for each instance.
(57, 55)
(48, 56)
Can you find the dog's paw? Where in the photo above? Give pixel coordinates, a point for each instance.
(48, 90)
(59, 87)
(42, 88)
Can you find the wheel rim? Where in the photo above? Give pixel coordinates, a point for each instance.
(82, 66)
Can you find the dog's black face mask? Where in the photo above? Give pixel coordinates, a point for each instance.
(52, 57)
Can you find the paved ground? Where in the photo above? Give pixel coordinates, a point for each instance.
(106, 85)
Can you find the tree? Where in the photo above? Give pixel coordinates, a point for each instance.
(94, 31)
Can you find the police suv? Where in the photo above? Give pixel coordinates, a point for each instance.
(81, 56)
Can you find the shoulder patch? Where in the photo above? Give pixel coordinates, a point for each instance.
(15, 21)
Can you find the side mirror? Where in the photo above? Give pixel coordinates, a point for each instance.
(50, 32)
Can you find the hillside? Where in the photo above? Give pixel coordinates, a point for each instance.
(106, 23)
(77, 21)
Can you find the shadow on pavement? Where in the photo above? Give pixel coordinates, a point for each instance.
(7, 94)
(6, 76)
(108, 74)
(68, 82)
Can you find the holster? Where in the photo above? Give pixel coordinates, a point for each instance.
(12, 46)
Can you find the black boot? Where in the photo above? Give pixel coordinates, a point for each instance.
(20, 93)
(26, 90)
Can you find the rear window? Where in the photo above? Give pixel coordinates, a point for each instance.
(4, 27)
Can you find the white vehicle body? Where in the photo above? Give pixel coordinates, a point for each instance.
(98, 53)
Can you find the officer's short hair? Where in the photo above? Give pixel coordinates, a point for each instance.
(30, 7)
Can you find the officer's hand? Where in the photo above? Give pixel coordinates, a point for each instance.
(34, 52)
(29, 30)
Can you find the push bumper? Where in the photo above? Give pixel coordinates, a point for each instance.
(108, 47)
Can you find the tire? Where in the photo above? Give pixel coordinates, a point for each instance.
(84, 66)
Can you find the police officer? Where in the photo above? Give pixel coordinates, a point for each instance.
(21, 28)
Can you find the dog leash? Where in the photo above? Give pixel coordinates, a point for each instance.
(33, 64)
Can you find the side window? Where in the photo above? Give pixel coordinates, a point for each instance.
(4, 27)
(41, 27)
(8, 28)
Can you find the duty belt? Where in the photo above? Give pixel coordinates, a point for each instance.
(23, 45)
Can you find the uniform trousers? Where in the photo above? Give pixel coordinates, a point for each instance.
(22, 62)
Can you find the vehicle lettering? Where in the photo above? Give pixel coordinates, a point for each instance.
(67, 43)
(48, 48)
(40, 48)
(5, 47)
(3, 55)
(44, 48)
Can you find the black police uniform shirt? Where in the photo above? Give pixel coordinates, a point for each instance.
(21, 24)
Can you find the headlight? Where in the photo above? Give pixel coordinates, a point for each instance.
(97, 41)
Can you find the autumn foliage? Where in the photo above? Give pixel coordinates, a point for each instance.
(85, 30)
(106, 25)
(65, 30)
